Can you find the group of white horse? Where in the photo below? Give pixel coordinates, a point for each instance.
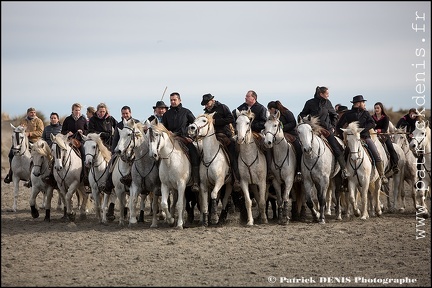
(159, 164)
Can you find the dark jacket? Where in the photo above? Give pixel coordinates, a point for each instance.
(51, 129)
(260, 115)
(407, 122)
(222, 118)
(289, 122)
(116, 137)
(70, 125)
(382, 124)
(105, 127)
(177, 119)
(323, 109)
(357, 114)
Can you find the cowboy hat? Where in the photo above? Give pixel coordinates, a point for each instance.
(160, 104)
(342, 109)
(358, 98)
(206, 99)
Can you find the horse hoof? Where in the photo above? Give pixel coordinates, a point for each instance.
(47, 219)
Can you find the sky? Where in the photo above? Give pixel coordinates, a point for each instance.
(54, 54)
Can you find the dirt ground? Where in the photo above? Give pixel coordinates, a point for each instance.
(391, 250)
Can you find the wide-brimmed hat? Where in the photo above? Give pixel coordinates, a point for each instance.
(341, 109)
(206, 99)
(358, 98)
(160, 104)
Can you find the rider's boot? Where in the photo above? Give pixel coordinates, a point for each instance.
(8, 177)
(195, 178)
(109, 185)
(342, 163)
(380, 168)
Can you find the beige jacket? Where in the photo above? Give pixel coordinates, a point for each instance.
(35, 128)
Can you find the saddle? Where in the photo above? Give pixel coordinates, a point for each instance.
(259, 140)
(183, 145)
(290, 138)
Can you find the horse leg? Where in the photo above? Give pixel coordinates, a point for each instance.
(83, 207)
(204, 203)
(32, 201)
(309, 202)
(15, 180)
(260, 197)
(164, 203)
(133, 199)
(322, 199)
(155, 208)
(181, 204)
(247, 201)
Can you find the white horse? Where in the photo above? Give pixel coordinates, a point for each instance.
(21, 160)
(421, 146)
(215, 169)
(97, 157)
(252, 165)
(283, 163)
(133, 147)
(67, 170)
(319, 168)
(363, 176)
(174, 169)
(409, 171)
(42, 158)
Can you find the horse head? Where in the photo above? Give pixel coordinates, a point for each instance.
(352, 139)
(130, 136)
(420, 138)
(59, 150)
(202, 126)
(158, 136)
(94, 149)
(272, 129)
(20, 141)
(243, 125)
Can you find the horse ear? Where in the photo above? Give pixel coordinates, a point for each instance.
(236, 111)
(13, 127)
(299, 119)
(359, 130)
(212, 114)
(277, 114)
(52, 137)
(84, 137)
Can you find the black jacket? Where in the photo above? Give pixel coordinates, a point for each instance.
(260, 115)
(70, 125)
(323, 109)
(222, 118)
(289, 122)
(105, 127)
(357, 114)
(177, 119)
(407, 122)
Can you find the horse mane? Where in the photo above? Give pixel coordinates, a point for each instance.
(132, 124)
(314, 122)
(208, 116)
(106, 154)
(60, 140)
(41, 147)
(248, 113)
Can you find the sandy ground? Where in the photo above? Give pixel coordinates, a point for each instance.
(351, 252)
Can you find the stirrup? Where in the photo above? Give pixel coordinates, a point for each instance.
(298, 177)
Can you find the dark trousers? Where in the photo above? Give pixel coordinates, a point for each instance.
(233, 158)
(373, 149)
(194, 156)
(298, 152)
(394, 159)
(337, 149)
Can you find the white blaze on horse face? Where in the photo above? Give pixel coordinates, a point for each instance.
(305, 136)
(125, 145)
(243, 128)
(270, 130)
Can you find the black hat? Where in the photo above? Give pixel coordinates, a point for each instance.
(358, 98)
(342, 109)
(160, 104)
(206, 99)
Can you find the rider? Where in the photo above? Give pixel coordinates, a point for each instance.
(382, 123)
(321, 107)
(158, 111)
(176, 120)
(289, 125)
(126, 113)
(359, 113)
(222, 120)
(408, 121)
(34, 128)
(54, 128)
(73, 126)
(260, 112)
